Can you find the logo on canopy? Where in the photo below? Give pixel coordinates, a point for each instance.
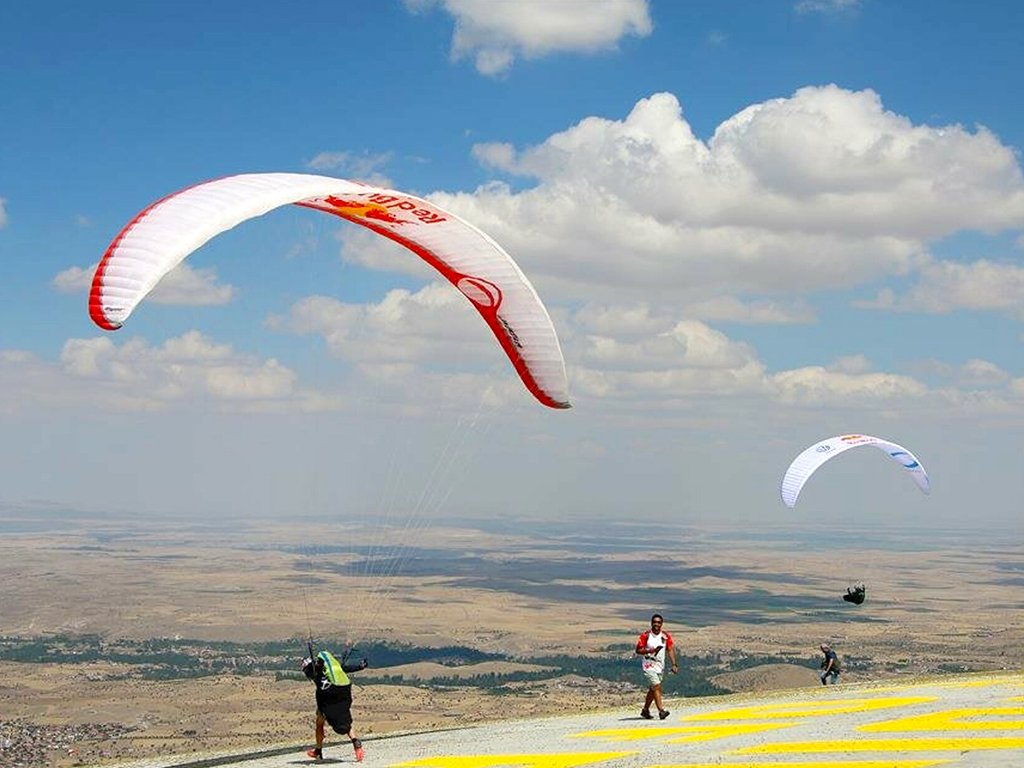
(481, 292)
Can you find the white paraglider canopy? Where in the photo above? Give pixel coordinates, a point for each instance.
(809, 460)
(161, 236)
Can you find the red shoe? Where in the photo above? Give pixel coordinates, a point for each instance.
(316, 753)
(360, 754)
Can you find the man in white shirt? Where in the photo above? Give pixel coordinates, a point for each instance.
(652, 646)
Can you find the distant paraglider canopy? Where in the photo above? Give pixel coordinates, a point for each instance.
(808, 462)
(855, 594)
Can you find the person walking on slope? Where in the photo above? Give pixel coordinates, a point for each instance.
(333, 699)
(829, 665)
(652, 645)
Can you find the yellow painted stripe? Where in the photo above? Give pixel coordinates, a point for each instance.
(814, 764)
(680, 734)
(562, 760)
(887, 745)
(983, 682)
(811, 708)
(636, 734)
(974, 683)
(731, 730)
(952, 720)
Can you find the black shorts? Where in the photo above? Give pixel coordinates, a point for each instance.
(338, 716)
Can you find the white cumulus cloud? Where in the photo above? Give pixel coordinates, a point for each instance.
(412, 349)
(495, 34)
(822, 190)
(364, 166)
(944, 287)
(655, 363)
(73, 279)
(851, 364)
(982, 374)
(98, 374)
(184, 370)
(826, 6)
(815, 385)
(731, 309)
(432, 326)
(182, 286)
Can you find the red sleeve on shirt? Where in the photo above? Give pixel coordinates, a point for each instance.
(668, 640)
(641, 644)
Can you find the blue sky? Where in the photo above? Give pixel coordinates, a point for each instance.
(755, 224)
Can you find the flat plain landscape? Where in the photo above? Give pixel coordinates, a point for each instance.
(126, 637)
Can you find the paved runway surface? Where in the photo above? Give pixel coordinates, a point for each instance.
(966, 720)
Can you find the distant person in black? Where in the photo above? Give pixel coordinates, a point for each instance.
(855, 594)
(333, 699)
(829, 665)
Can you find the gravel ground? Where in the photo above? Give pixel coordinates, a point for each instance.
(965, 720)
